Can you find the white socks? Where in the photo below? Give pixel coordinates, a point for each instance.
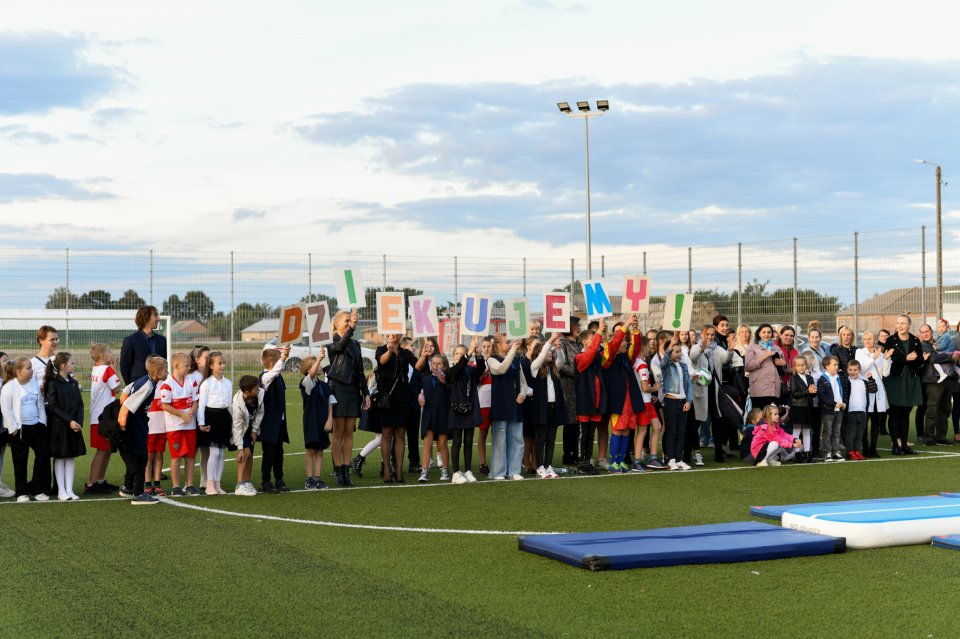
(214, 465)
(204, 458)
(804, 436)
(371, 446)
(65, 470)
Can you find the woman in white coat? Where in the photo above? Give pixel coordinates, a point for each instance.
(874, 364)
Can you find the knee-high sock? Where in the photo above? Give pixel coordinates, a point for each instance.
(58, 472)
(215, 464)
(806, 436)
(372, 445)
(70, 472)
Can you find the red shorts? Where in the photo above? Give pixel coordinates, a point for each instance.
(590, 419)
(156, 443)
(183, 443)
(626, 421)
(485, 414)
(648, 415)
(96, 441)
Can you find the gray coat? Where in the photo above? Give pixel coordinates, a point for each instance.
(567, 372)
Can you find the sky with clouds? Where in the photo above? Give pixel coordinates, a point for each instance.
(376, 127)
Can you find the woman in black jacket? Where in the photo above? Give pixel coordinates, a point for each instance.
(350, 389)
(844, 350)
(904, 390)
(393, 389)
(64, 405)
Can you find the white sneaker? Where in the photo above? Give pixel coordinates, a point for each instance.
(444, 475)
(682, 465)
(41, 497)
(469, 477)
(74, 497)
(542, 473)
(763, 463)
(22, 499)
(424, 477)
(499, 478)
(774, 462)
(837, 457)
(245, 490)
(697, 459)
(672, 465)
(551, 473)
(458, 478)
(6, 491)
(604, 464)
(63, 497)
(517, 477)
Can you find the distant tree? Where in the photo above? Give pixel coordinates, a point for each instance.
(97, 300)
(129, 300)
(61, 297)
(201, 304)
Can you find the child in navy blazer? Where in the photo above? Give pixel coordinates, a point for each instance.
(832, 392)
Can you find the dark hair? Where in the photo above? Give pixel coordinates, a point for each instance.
(756, 335)
(548, 368)
(210, 360)
(54, 364)
(720, 318)
(195, 354)
(144, 313)
(573, 321)
(593, 325)
(248, 382)
(788, 328)
(853, 362)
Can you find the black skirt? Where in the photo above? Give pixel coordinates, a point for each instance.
(65, 443)
(348, 399)
(221, 428)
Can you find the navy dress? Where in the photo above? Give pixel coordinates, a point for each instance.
(316, 405)
(436, 411)
(462, 380)
(64, 404)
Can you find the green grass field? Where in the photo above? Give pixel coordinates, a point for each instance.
(104, 568)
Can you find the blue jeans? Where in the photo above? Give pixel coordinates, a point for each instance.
(506, 454)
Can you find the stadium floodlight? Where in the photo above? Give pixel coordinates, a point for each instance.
(564, 107)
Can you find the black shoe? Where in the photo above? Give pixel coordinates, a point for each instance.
(346, 476)
(944, 442)
(357, 464)
(719, 457)
(267, 487)
(908, 451)
(928, 441)
(164, 477)
(413, 468)
(282, 486)
(108, 487)
(338, 473)
(896, 450)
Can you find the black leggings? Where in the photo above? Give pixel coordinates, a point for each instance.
(878, 422)
(546, 438)
(571, 440)
(587, 432)
(899, 425)
(462, 437)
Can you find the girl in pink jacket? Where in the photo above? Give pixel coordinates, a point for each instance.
(771, 444)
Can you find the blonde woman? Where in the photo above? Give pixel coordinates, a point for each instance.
(349, 387)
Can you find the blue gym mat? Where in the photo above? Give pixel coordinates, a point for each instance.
(776, 512)
(710, 544)
(892, 510)
(951, 542)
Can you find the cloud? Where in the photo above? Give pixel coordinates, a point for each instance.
(829, 142)
(113, 115)
(242, 214)
(20, 134)
(44, 70)
(20, 187)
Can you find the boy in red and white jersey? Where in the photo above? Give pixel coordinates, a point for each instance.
(156, 445)
(180, 397)
(103, 383)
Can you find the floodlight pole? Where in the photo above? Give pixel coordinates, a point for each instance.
(586, 115)
(939, 239)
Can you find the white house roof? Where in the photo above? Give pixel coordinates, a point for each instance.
(265, 325)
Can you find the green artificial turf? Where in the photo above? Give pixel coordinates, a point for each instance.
(105, 569)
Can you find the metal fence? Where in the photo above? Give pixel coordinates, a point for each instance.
(784, 280)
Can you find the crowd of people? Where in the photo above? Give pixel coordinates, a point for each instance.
(625, 401)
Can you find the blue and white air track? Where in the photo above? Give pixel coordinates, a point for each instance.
(877, 523)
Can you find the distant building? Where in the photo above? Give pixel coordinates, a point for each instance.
(261, 331)
(189, 329)
(880, 311)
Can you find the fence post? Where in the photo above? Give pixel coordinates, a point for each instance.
(151, 277)
(456, 289)
(644, 262)
(603, 266)
(233, 319)
(572, 280)
(689, 270)
(739, 283)
(67, 272)
(309, 277)
(856, 285)
(923, 273)
(524, 277)
(384, 271)
(795, 297)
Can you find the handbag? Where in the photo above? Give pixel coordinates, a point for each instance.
(463, 408)
(382, 400)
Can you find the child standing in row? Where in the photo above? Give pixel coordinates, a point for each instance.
(214, 420)
(855, 415)
(25, 419)
(624, 398)
(549, 409)
(199, 371)
(5, 491)
(832, 393)
(803, 390)
(944, 344)
(318, 403)
(142, 402)
(179, 398)
(64, 405)
(434, 421)
(103, 383)
(247, 415)
(464, 409)
(650, 419)
(273, 426)
(156, 438)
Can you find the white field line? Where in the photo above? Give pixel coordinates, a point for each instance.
(336, 524)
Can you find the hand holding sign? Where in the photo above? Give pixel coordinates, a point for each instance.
(636, 295)
(349, 288)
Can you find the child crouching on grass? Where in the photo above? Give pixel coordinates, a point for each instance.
(247, 415)
(318, 402)
(771, 444)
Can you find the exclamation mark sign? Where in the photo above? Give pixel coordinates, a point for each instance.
(351, 290)
(678, 310)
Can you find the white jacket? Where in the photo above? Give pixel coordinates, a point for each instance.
(11, 396)
(241, 417)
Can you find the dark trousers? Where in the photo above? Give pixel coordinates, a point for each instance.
(462, 438)
(136, 467)
(691, 436)
(36, 438)
(571, 441)
(878, 423)
(272, 460)
(545, 438)
(674, 428)
(937, 417)
(956, 413)
(815, 428)
(587, 432)
(919, 417)
(413, 444)
(854, 427)
(898, 424)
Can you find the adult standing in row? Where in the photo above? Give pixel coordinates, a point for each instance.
(393, 364)
(903, 385)
(47, 342)
(937, 392)
(875, 364)
(764, 363)
(844, 350)
(141, 344)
